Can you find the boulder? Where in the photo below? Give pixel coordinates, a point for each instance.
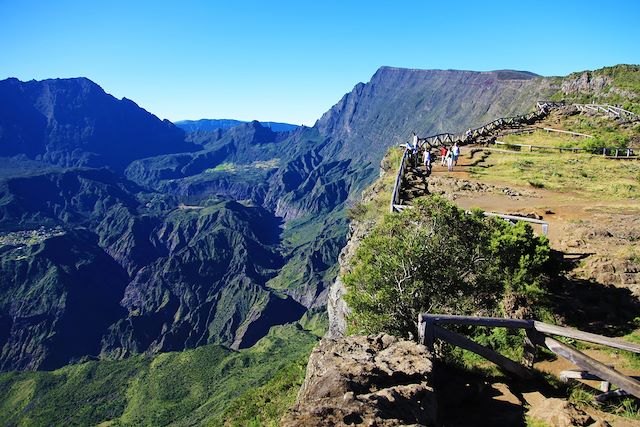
(366, 380)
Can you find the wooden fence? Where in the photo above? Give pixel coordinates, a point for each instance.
(537, 334)
(511, 218)
(395, 195)
(610, 110)
(438, 140)
(620, 153)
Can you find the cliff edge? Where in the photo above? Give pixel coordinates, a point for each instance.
(366, 380)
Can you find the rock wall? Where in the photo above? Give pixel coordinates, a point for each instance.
(336, 306)
(366, 380)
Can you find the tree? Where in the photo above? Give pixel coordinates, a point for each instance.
(437, 258)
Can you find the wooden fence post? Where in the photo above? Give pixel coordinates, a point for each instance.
(531, 340)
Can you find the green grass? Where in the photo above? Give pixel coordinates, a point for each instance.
(545, 139)
(185, 388)
(584, 397)
(588, 175)
(532, 422)
(238, 168)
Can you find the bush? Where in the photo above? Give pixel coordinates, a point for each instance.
(436, 258)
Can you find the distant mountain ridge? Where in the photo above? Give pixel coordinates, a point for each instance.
(74, 122)
(225, 124)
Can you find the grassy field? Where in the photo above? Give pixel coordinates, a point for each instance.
(588, 175)
(546, 139)
(210, 385)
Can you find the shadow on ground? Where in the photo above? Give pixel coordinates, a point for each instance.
(589, 305)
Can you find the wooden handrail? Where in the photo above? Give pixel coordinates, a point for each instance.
(542, 327)
(600, 370)
(568, 132)
(538, 333)
(562, 331)
(395, 198)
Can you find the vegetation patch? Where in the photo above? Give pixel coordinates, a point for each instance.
(588, 175)
(436, 258)
(193, 387)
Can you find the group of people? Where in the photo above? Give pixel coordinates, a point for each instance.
(448, 155)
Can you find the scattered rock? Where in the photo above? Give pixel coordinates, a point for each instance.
(559, 413)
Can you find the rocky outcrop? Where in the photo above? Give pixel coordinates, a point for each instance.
(366, 380)
(585, 83)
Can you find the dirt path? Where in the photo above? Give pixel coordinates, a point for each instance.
(594, 294)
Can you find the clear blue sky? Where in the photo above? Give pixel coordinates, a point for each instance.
(292, 60)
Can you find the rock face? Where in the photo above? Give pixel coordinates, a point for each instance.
(336, 306)
(398, 101)
(586, 83)
(366, 380)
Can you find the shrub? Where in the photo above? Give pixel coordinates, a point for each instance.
(436, 258)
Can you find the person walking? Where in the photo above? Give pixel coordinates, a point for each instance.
(456, 153)
(427, 160)
(449, 157)
(443, 155)
(411, 149)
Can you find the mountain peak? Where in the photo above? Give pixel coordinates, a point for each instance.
(74, 122)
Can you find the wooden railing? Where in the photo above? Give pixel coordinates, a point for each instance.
(620, 153)
(610, 110)
(438, 140)
(395, 195)
(537, 334)
(543, 224)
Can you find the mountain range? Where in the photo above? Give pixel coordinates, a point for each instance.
(152, 237)
(226, 124)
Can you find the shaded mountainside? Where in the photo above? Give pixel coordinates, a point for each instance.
(73, 122)
(57, 299)
(141, 276)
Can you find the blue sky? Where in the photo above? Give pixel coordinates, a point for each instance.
(292, 60)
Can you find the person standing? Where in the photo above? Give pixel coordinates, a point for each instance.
(449, 157)
(443, 155)
(427, 160)
(456, 153)
(411, 149)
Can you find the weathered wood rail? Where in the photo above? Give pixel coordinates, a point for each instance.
(395, 194)
(538, 334)
(568, 132)
(621, 152)
(440, 139)
(609, 110)
(544, 224)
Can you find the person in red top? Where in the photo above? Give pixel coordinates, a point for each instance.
(443, 155)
